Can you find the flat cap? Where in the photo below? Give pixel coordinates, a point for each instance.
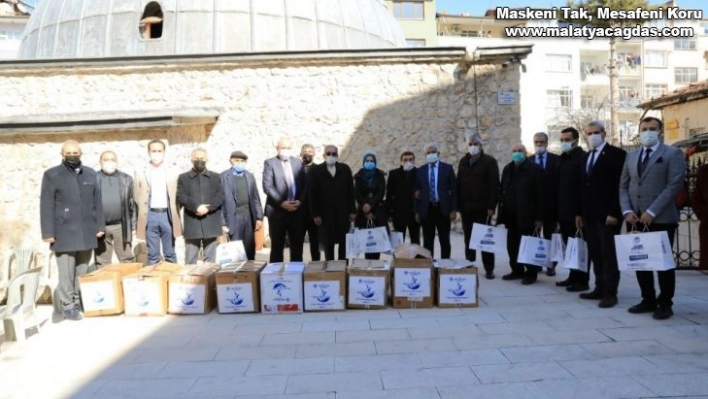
(239, 155)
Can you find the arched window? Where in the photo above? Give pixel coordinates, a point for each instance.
(151, 21)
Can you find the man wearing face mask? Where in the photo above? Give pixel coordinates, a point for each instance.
(521, 209)
(570, 185)
(651, 178)
(242, 211)
(307, 154)
(118, 210)
(601, 212)
(331, 196)
(478, 192)
(155, 191)
(549, 163)
(436, 202)
(399, 197)
(200, 193)
(285, 188)
(71, 218)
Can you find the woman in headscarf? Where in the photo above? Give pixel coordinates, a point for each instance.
(369, 191)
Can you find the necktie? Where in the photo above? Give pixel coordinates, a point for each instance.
(433, 190)
(539, 161)
(644, 161)
(288, 170)
(592, 161)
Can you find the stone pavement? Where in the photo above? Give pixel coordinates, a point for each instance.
(522, 342)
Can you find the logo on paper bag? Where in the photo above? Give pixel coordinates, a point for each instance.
(413, 284)
(488, 238)
(98, 297)
(540, 251)
(637, 250)
(323, 296)
(370, 240)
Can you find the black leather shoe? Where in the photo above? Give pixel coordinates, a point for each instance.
(550, 272)
(643, 307)
(513, 276)
(565, 283)
(529, 279)
(490, 275)
(663, 313)
(577, 288)
(607, 302)
(73, 314)
(591, 295)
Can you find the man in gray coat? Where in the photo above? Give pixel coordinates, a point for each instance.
(651, 178)
(71, 218)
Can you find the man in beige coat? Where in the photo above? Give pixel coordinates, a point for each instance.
(155, 194)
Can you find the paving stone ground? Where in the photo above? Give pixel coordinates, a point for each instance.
(522, 342)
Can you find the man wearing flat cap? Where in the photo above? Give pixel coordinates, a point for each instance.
(242, 213)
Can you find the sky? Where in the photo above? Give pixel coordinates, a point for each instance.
(478, 7)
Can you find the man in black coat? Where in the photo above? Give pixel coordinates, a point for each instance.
(549, 163)
(200, 193)
(602, 213)
(331, 196)
(307, 154)
(521, 209)
(570, 186)
(242, 211)
(399, 197)
(119, 212)
(71, 218)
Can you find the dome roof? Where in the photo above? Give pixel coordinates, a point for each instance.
(121, 28)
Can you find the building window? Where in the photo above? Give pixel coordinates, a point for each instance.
(409, 9)
(654, 90)
(587, 101)
(559, 62)
(685, 75)
(655, 59)
(657, 23)
(10, 35)
(559, 98)
(415, 42)
(685, 43)
(151, 22)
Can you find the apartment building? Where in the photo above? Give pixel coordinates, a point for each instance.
(417, 21)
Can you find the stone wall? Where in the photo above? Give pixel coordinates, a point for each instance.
(385, 106)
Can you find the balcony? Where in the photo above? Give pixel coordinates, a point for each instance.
(629, 71)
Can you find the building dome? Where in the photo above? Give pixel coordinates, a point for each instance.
(124, 28)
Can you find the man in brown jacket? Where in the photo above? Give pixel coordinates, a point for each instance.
(155, 194)
(478, 191)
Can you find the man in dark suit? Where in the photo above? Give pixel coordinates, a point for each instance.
(285, 190)
(549, 163)
(399, 197)
(601, 212)
(436, 201)
(521, 209)
(307, 154)
(71, 218)
(651, 178)
(242, 211)
(201, 194)
(569, 197)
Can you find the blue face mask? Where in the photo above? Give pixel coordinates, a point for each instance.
(239, 167)
(518, 157)
(369, 165)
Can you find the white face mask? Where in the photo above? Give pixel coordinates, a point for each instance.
(109, 167)
(473, 150)
(649, 137)
(432, 157)
(408, 166)
(285, 153)
(567, 146)
(157, 157)
(331, 160)
(595, 140)
(539, 150)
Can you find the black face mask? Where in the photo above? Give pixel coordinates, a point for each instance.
(72, 161)
(307, 159)
(199, 165)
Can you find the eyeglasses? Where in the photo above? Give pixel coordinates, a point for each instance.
(331, 154)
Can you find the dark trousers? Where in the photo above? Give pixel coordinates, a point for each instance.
(413, 229)
(468, 219)
(602, 254)
(113, 241)
(244, 231)
(313, 235)
(71, 265)
(576, 277)
(667, 279)
(159, 231)
(513, 243)
(436, 220)
(292, 224)
(341, 251)
(194, 245)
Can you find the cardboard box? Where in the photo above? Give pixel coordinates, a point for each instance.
(102, 290)
(281, 287)
(192, 290)
(411, 251)
(457, 284)
(412, 283)
(238, 288)
(145, 293)
(165, 267)
(368, 284)
(324, 285)
(123, 268)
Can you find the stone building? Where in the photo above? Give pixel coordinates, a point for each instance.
(388, 100)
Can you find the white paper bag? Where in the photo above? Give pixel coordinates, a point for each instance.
(557, 248)
(534, 251)
(374, 240)
(488, 238)
(230, 252)
(396, 238)
(644, 251)
(576, 255)
(352, 246)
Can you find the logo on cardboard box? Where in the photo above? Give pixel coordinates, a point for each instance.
(459, 290)
(367, 292)
(323, 296)
(413, 284)
(234, 297)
